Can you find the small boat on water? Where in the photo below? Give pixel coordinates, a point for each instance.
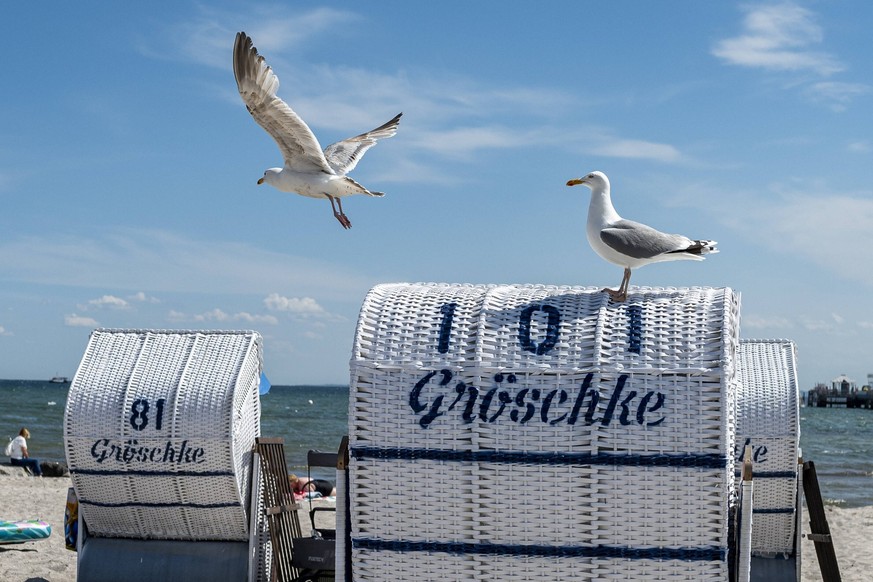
(59, 380)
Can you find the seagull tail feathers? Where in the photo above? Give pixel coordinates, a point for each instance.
(702, 247)
(695, 251)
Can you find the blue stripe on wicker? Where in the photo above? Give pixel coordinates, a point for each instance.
(687, 460)
(635, 328)
(706, 553)
(774, 510)
(142, 504)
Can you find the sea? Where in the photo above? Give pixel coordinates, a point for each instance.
(838, 440)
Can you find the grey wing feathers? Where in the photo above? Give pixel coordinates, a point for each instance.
(343, 155)
(643, 242)
(257, 86)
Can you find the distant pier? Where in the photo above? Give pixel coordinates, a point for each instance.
(842, 393)
(825, 400)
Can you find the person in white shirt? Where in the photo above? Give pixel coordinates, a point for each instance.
(20, 456)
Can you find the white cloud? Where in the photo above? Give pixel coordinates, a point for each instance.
(138, 258)
(295, 305)
(460, 142)
(347, 100)
(836, 95)
(832, 230)
(781, 37)
(143, 298)
(818, 325)
(219, 316)
(860, 147)
(107, 301)
(755, 321)
(637, 149)
(778, 37)
(208, 38)
(4, 332)
(295, 31)
(250, 318)
(808, 221)
(214, 315)
(79, 321)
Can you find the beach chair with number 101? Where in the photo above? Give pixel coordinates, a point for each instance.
(535, 432)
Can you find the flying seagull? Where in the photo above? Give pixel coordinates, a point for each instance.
(308, 171)
(630, 244)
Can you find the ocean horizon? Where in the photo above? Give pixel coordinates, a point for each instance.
(308, 417)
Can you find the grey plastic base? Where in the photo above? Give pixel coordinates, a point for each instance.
(111, 559)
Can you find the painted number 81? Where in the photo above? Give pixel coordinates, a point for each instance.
(139, 413)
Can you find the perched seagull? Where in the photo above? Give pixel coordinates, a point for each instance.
(630, 244)
(308, 171)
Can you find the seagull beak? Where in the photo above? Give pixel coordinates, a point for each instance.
(260, 181)
(576, 182)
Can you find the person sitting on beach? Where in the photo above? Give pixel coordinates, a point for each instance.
(301, 486)
(19, 455)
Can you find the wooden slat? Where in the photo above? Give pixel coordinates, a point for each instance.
(818, 526)
(284, 524)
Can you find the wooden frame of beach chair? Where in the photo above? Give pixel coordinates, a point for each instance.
(298, 558)
(820, 531)
(280, 508)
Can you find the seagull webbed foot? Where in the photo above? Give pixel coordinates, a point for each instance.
(343, 220)
(620, 294)
(339, 214)
(616, 295)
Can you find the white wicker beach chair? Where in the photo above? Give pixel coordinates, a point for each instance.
(542, 433)
(768, 421)
(159, 429)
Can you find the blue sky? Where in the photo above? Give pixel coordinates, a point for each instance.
(128, 165)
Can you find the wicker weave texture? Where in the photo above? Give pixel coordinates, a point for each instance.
(497, 431)
(402, 324)
(158, 433)
(768, 420)
(374, 565)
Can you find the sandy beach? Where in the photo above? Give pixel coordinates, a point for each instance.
(23, 497)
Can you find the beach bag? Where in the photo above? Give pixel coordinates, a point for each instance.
(53, 469)
(71, 521)
(8, 450)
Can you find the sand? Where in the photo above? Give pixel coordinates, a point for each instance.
(23, 497)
